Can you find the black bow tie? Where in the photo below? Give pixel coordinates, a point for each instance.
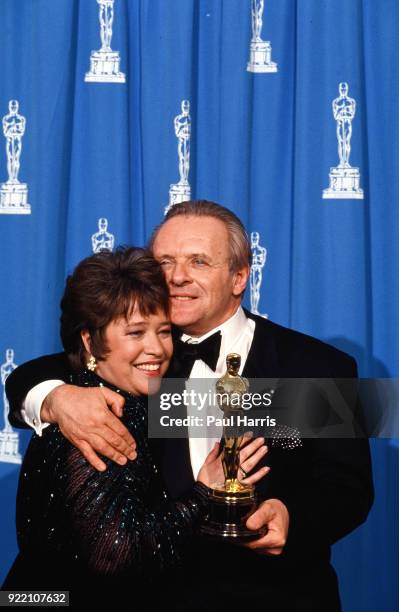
(185, 354)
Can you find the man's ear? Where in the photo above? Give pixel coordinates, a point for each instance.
(240, 281)
(85, 335)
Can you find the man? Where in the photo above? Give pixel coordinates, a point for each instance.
(322, 489)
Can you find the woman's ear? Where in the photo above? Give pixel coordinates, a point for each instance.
(85, 335)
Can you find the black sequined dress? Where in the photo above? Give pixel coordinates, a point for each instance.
(112, 534)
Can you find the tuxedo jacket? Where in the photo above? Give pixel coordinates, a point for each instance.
(326, 485)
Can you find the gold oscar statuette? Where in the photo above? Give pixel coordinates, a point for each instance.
(231, 502)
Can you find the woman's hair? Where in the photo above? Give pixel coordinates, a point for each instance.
(104, 287)
(239, 246)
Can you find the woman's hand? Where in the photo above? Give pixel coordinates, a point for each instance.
(250, 455)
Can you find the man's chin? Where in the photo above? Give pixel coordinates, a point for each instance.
(184, 320)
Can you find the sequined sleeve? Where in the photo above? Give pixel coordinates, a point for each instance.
(121, 525)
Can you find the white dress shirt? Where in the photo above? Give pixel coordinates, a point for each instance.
(33, 403)
(237, 335)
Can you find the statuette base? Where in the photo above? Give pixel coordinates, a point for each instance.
(9, 443)
(344, 185)
(14, 199)
(105, 68)
(261, 57)
(228, 513)
(180, 192)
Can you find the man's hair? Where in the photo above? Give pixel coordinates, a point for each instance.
(103, 288)
(239, 246)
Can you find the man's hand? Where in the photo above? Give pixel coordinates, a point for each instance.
(273, 514)
(85, 418)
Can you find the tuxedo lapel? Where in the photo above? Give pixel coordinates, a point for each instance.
(172, 370)
(262, 360)
(176, 461)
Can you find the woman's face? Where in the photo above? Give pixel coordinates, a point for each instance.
(140, 349)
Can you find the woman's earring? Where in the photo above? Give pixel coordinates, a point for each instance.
(92, 364)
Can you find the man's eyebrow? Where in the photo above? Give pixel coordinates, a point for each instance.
(200, 255)
(186, 255)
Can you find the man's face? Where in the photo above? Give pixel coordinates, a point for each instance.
(194, 254)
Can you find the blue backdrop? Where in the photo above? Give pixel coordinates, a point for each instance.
(261, 143)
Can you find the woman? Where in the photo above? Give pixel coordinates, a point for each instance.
(115, 533)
